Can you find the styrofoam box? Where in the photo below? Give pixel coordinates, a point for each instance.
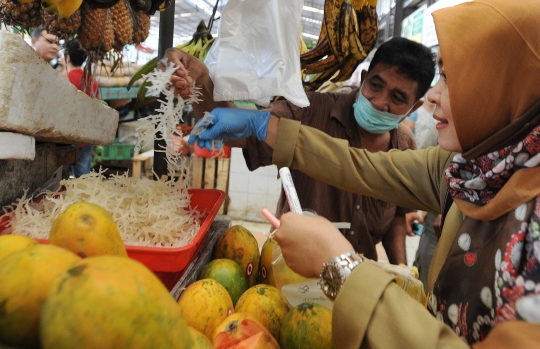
(36, 100)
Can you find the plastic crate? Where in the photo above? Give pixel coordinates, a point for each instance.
(170, 259)
(117, 151)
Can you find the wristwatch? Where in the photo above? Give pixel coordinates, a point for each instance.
(335, 272)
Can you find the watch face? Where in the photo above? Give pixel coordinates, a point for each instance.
(332, 279)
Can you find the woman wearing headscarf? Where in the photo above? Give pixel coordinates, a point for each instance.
(484, 279)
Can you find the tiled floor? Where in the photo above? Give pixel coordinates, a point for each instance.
(261, 231)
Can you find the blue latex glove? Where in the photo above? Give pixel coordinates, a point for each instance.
(233, 123)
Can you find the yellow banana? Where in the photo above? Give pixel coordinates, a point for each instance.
(369, 27)
(189, 48)
(331, 19)
(356, 47)
(319, 51)
(183, 46)
(206, 48)
(346, 69)
(344, 28)
(315, 82)
(358, 4)
(302, 44)
(322, 65)
(197, 48)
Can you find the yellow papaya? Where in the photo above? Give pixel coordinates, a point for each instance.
(242, 331)
(266, 273)
(267, 304)
(111, 302)
(239, 244)
(88, 230)
(205, 304)
(200, 341)
(308, 325)
(25, 279)
(228, 274)
(10, 243)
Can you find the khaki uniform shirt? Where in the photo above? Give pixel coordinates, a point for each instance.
(333, 114)
(371, 311)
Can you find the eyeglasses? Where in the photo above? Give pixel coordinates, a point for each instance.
(52, 42)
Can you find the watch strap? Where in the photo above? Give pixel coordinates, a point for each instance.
(336, 271)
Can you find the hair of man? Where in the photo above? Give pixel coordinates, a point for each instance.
(36, 33)
(76, 54)
(412, 59)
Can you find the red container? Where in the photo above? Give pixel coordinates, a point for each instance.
(169, 259)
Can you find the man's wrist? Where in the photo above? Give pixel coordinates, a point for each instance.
(272, 130)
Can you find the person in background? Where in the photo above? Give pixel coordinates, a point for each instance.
(411, 120)
(421, 121)
(75, 58)
(369, 118)
(46, 45)
(484, 279)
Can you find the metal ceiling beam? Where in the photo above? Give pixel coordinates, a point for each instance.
(166, 33)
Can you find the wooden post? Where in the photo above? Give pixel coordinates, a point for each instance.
(223, 180)
(209, 173)
(196, 164)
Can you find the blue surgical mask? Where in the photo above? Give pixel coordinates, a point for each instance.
(373, 120)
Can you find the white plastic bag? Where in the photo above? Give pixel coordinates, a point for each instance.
(256, 54)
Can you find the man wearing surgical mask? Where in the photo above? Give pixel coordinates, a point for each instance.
(368, 117)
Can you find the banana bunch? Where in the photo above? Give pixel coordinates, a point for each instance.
(348, 33)
(198, 46)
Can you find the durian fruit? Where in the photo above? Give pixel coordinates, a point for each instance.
(96, 33)
(141, 27)
(63, 28)
(123, 24)
(27, 15)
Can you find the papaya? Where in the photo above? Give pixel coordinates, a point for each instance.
(267, 305)
(10, 243)
(239, 245)
(228, 274)
(25, 278)
(88, 230)
(266, 274)
(205, 304)
(242, 331)
(200, 341)
(308, 325)
(111, 302)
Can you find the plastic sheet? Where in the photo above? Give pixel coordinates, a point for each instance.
(256, 55)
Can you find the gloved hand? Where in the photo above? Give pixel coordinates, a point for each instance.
(233, 123)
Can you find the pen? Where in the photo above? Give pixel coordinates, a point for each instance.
(290, 191)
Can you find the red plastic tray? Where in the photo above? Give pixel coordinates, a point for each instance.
(163, 259)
